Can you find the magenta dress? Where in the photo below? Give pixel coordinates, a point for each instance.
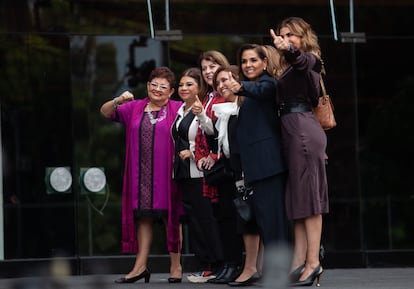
(148, 188)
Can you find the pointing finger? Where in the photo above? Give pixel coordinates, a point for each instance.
(273, 34)
(230, 77)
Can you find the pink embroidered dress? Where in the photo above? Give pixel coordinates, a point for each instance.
(148, 188)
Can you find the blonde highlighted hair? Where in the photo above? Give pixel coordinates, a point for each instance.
(273, 61)
(302, 29)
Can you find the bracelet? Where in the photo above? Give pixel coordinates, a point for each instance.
(115, 103)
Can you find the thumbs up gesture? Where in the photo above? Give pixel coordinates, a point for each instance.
(278, 41)
(197, 106)
(234, 85)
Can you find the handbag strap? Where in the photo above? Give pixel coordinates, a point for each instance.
(322, 86)
(323, 72)
(248, 192)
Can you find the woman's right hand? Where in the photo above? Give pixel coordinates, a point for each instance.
(108, 108)
(197, 107)
(278, 41)
(124, 97)
(201, 163)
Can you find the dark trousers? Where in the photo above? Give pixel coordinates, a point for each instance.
(204, 232)
(269, 209)
(227, 219)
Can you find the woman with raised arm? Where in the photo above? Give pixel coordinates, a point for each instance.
(149, 194)
(220, 195)
(304, 143)
(204, 233)
(258, 135)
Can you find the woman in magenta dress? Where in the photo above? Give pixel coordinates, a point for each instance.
(149, 193)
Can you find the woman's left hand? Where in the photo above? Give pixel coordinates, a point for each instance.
(278, 41)
(234, 85)
(197, 107)
(209, 163)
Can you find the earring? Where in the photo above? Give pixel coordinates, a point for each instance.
(264, 68)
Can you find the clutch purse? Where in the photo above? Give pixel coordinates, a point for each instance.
(217, 174)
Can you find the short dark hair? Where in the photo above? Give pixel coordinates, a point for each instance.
(163, 72)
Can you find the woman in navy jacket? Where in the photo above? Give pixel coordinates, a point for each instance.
(258, 135)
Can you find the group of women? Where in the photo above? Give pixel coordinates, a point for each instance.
(255, 117)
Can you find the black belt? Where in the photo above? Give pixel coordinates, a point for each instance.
(294, 107)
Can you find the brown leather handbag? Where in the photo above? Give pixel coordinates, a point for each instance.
(324, 111)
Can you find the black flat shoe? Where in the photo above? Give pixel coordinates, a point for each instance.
(228, 276)
(253, 279)
(221, 272)
(174, 280)
(146, 275)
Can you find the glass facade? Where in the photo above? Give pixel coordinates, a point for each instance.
(61, 59)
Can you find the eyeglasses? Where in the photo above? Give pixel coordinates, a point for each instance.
(288, 35)
(162, 87)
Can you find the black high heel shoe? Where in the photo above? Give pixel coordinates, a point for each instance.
(295, 274)
(316, 274)
(146, 275)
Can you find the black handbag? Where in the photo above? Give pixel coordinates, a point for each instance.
(243, 204)
(218, 174)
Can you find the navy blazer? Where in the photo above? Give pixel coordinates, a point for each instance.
(258, 130)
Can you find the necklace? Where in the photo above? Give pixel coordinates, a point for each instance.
(162, 114)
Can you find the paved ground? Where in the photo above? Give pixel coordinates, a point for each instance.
(390, 278)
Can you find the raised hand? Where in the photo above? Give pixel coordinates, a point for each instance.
(125, 97)
(197, 106)
(278, 41)
(234, 85)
